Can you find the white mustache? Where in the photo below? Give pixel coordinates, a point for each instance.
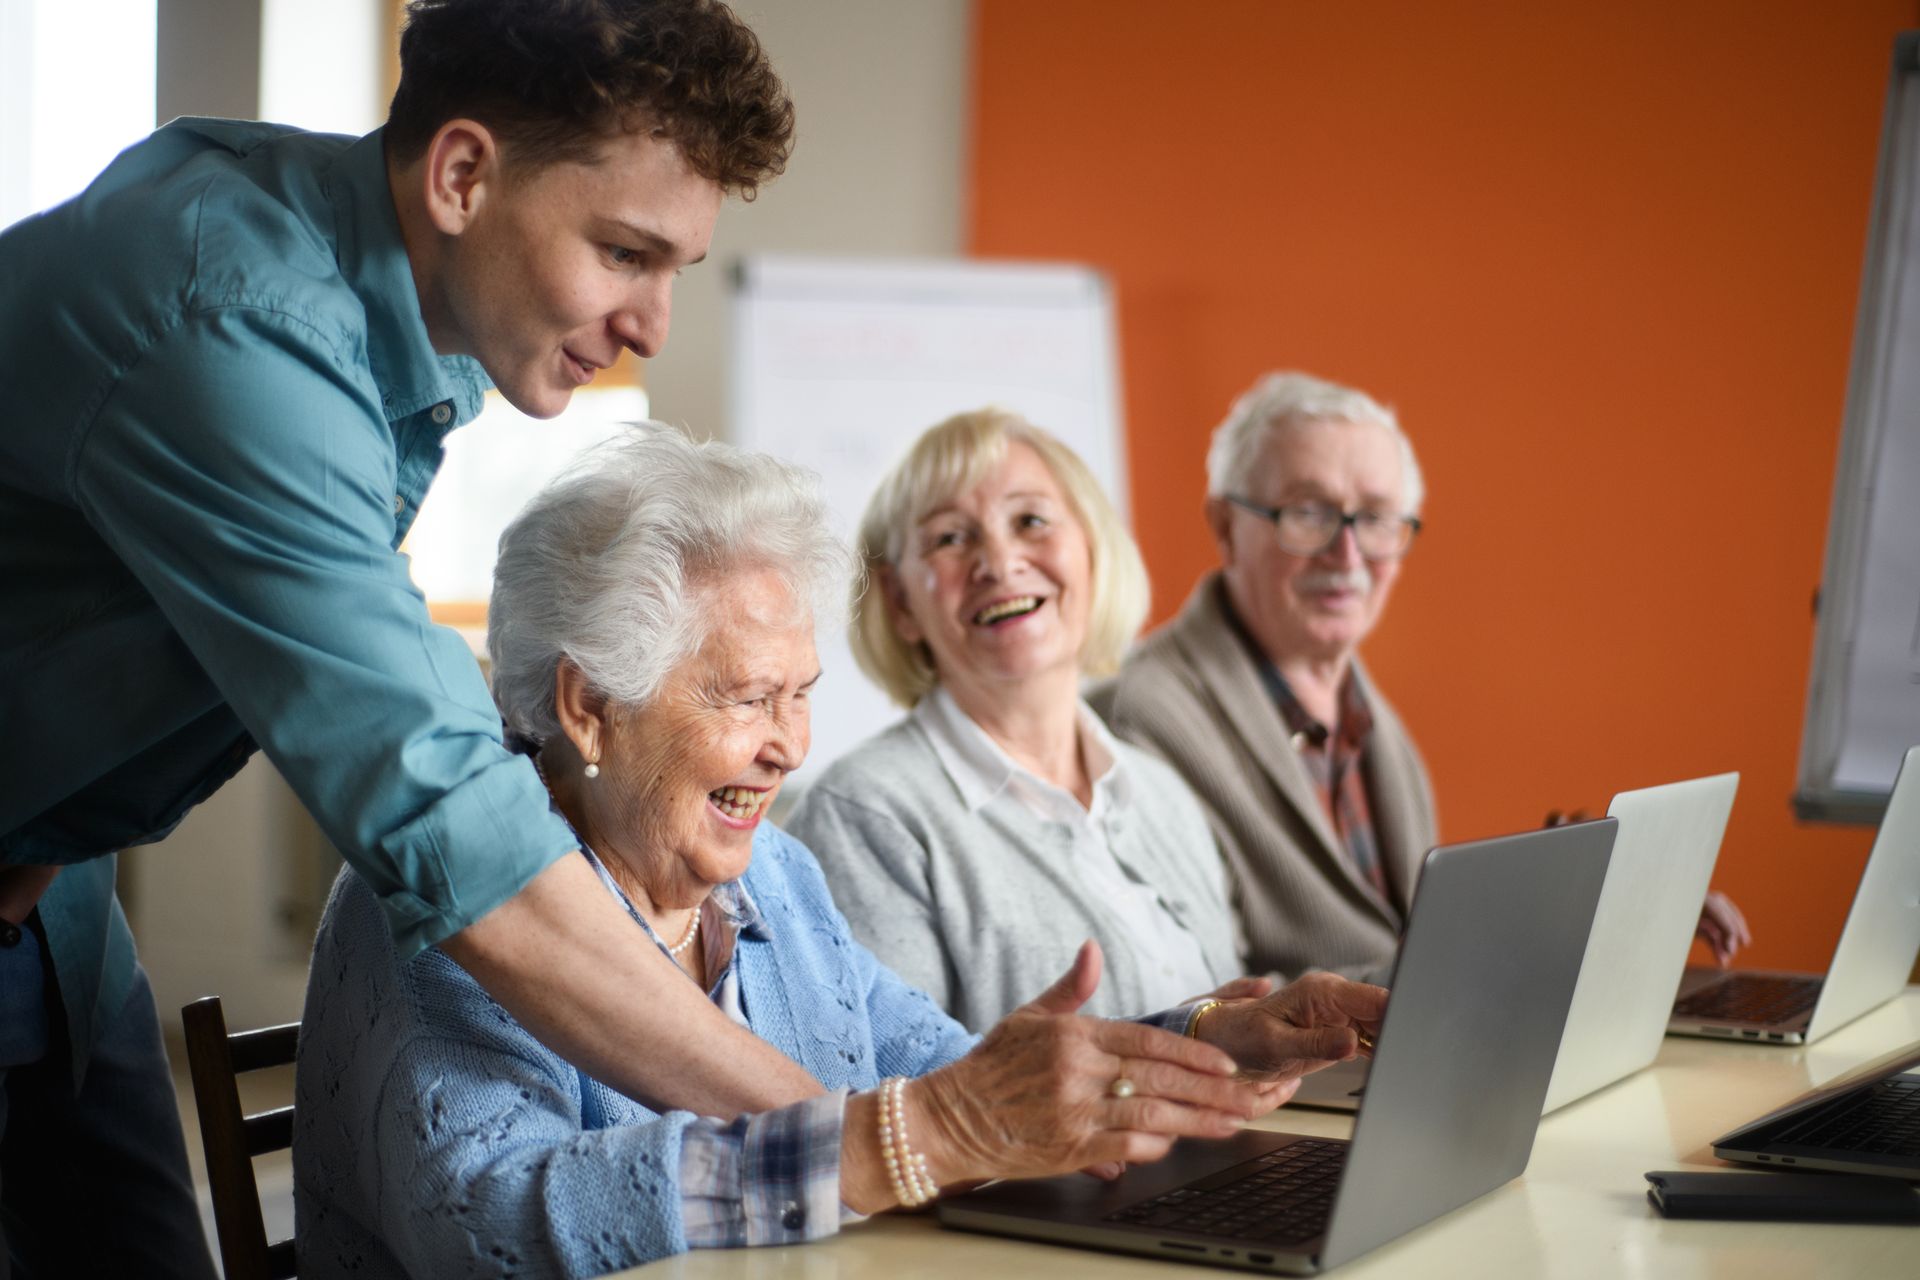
(1314, 582)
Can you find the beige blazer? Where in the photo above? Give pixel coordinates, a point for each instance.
(1191, 694)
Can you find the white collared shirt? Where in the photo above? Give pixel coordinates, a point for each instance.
(1169, 957)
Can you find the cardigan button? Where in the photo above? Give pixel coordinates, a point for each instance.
(9, 934)
(793, 1216)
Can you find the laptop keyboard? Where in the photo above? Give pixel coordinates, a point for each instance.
(1882, 1120)
(1750, 997)
(1282, 1197)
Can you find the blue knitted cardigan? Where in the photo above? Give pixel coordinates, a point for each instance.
(434, 1136)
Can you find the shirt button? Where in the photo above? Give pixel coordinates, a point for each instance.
(9, 934)
(399, 503)
(792, 1216)
(1300, 741)
(442, 414)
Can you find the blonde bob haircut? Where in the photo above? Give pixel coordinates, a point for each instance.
(946, 461)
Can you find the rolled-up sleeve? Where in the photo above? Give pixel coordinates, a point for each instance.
(772, 1178)
(247, 479)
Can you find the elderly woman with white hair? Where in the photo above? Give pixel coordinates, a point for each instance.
(652, 638)
(976, 842)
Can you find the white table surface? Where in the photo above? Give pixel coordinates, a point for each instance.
(1580, 1209)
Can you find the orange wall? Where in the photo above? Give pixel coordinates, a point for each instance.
(1603, 259)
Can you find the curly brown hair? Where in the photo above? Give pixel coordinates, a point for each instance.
(553, 78)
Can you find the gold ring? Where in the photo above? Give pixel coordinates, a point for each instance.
(1366, 1041)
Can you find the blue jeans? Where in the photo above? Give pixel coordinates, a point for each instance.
(93, 1183)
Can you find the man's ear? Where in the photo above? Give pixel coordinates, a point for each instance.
(581, 710)
(1220, 524)
(460, 169)
(887, 583)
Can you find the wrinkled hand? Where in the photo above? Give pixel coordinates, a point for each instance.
(1312, 1022)
(1270, 1093)
(1722, 928)
(1032, 1099)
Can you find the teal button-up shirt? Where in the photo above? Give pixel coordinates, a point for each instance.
(220, 414)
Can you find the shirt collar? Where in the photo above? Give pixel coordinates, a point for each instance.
(742, 912)
(981, 769)
(1356, 718)
(373, 260)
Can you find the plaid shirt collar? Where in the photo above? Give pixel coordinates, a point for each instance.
(1356, 718)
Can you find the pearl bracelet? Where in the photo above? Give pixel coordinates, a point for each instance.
(912, 1185)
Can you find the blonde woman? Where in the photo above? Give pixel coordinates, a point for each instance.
(975, 844)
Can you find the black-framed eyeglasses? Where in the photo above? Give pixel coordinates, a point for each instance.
(1308, 528)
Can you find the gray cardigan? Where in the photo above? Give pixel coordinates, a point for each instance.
(979, 908)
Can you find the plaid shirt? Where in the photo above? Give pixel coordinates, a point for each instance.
(771, 1178)
(1333, 759)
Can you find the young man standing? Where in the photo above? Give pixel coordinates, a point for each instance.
(230, 364)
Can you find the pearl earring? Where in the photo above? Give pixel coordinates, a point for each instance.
(593, 769)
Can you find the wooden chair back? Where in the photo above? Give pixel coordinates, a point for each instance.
(232, 1139)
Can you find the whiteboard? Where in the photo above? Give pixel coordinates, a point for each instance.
(840, 363)
(1863, 700)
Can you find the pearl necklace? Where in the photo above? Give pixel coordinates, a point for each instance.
(693, 929)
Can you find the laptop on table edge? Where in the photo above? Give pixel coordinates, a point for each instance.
(1867, 1121)
(1870, 963)
(1466, 1048)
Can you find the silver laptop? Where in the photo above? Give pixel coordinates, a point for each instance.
(1870, 965)
(1662, 861)
(1868, 1121)
(1465, 1051)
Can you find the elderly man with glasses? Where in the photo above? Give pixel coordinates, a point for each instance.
(1256, 693)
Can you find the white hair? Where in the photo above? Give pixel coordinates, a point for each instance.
(606, 566)
(1282, 400)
